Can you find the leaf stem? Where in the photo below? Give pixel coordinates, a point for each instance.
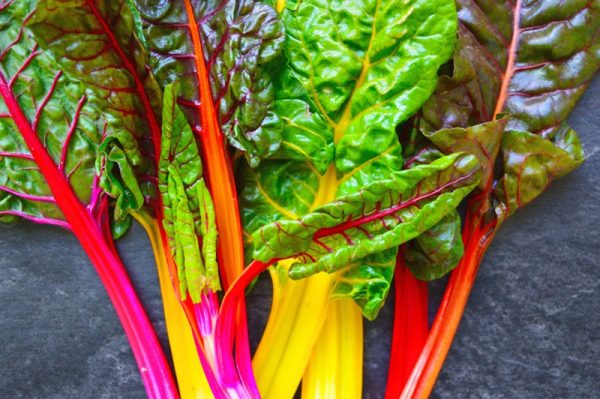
(478, 236)
(410, 326)
(190, 374)
(336, 365)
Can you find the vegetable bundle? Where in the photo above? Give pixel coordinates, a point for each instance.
(340, 146)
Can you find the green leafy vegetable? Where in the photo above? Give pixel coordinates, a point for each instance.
(223, 45)
(341, 98)
(94, 43)
(188, 210)
(381, 216)
(437, 251)
(528, 63)
(51, 126)
(531, 62)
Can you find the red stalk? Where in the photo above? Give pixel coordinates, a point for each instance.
(477, 237)
(147, 351)
(411, 326)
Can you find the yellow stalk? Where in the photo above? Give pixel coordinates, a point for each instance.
(190, 375)
(335, 368)
(295, 320)
(280, 5)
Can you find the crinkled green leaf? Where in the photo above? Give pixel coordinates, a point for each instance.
(237, 39)
(189, 219)
(306, 135)
(66, 115)
(367, 281)
(381, 216)
(482, 140)
(372, 64)
(118, 178)
(367, 66)
(96, 44)
(554, 54)
(437, 251)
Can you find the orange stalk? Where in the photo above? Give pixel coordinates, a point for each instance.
(428, 366)
(217, 163)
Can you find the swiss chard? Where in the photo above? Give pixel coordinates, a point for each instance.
(530, 61)
(340, 99)
(51, 128)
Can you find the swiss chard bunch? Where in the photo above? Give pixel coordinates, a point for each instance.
(353, 131)
(52, 130)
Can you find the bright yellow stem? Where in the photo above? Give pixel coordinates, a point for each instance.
(190, 375)
(335, 368)
(295, 320)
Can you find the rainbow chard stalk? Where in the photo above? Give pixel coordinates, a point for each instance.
(217, 50)
(51, 128)
(515, 82)
(379, 217)
(190, 228)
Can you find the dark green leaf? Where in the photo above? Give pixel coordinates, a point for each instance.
(235, 39)
(96, 44)
(437, 251)
(528, 60)
(530, 164)
(65, 115)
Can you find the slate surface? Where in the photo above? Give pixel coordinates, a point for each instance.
(531, 329)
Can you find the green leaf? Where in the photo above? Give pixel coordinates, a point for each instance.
(367, 66)
(306, 135)
(189, 219)
(96, 44)
(236, 38)
(367, 281)
(437, 251)
(482, 140)
(384, 63)
(530, 61)
(381, 216)
(65, 114)
(118, 178)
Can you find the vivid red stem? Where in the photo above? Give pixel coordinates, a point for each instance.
(147, 351)
(411, 326)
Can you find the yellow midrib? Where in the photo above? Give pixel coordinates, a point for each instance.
(270, 363)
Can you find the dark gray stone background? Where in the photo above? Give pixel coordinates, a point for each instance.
(531, 329)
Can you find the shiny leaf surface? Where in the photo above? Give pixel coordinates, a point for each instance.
(381, 216)
(530, 61)
(437, 251)
(189, 219)
(64, 115)
(372, 74)
(95, 43)
(225, 44)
